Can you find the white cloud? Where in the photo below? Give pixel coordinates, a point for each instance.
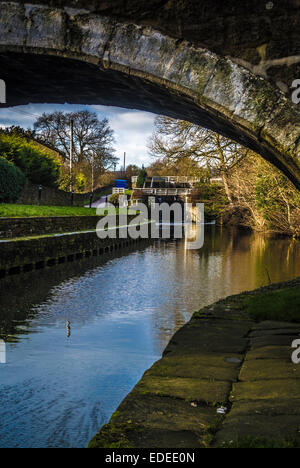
(132, 128)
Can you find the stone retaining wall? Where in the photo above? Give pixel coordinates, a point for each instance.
(21, 227)
(54, 197)
(24, 255)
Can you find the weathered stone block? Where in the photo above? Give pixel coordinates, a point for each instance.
(209, 392)
(269, 369)
(266, 390)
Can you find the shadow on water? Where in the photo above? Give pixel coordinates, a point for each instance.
(20, 293)
(80, 335)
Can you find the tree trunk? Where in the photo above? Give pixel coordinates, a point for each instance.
(227, 189)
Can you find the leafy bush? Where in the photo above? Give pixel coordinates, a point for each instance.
(214, 198)
(12, 181)
(79, 181)
(272, 202)
(114, 199)
(40, 166)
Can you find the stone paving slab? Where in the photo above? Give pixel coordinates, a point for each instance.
(122, 436)
(268, 407)
(274, 332)
(261, 418)
(249, 425)
(269, 369)
(271, 325)
(225, 310)
(214, 366)
(203, 323)
(164, 413)
(209, 338)
(159, 438)
(273, 340)
(214, 360)
(266, 390)
(270, 352)
(209, 392)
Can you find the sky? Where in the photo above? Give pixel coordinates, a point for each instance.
(132, 128)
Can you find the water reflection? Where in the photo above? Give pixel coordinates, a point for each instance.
(81, 335)
(20, 294)
(68, 329)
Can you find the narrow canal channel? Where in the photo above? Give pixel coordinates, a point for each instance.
(62, 383)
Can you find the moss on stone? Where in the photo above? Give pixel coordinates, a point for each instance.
(270, 352)
(261, 442)
(112, 436)
(206, 336)
(213, 366)
(267, 369)
(175, 403)
(207, 391)
(266, 390)
(167, 413)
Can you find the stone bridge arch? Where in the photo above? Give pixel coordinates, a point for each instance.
(66, 55)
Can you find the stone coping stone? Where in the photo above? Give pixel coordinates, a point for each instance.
(203, 367)
(272, 325)
(214, 366)
(275, 428)
(124, 436)
(279, 331)
(270, 352)
(203, 336)
(222, 343)
(266, 390)
(269, 369)
(152, 411)
(269, 407)
(272, 340)
(159, 438)
(193, 390)
(223, 311)
(274, 419)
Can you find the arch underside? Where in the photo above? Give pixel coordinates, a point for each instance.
(138, 68)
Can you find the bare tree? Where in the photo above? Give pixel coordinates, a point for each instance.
(177, 140)
(93, 138)
(269, 197)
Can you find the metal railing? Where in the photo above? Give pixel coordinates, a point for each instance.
(166, 192)
(172, 179)
(118, 190)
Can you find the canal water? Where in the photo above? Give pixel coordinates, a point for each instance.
(80, 336)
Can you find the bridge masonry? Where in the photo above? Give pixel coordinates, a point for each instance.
(262, 35)
(60, 53)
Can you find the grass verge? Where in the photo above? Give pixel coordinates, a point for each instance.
(34, 211)
(282, 305)
(31, 211)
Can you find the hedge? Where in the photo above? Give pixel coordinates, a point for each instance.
(12, 181)
(37, 165)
